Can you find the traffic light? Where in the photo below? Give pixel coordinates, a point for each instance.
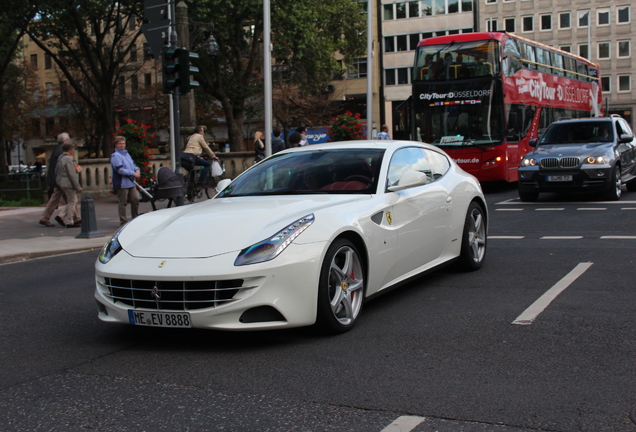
(185, 70)
(170, 69)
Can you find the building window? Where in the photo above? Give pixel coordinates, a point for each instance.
(603, 16)
(566, 48)
(34, 61)
(491, 1)
(134, 84)
(492, 25)
(48, 64)
(146, 52)
(121, 86)
(584, 18)
(49, 124)
(133, 53)
(623, 49)
(622, 15)
(605, 84)
(510, 25)
(467, 5)
(453, 6)
(414, 10)
(624, 83)
(564, 20)
(389, 44)
(147, 79)
(35, 128)
(400, 10)
(389, 77)
(49, 91)
(64, 92)
(603, 50)
(584, 51)
(528, 23)
(546, 22)
(414, 39)
(402, 44)
(358, 69)
(427, 7)
(403, 75)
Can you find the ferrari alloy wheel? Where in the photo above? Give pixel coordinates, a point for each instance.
(341, 289)
(474, 238)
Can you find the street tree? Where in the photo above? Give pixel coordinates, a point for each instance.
(12, 72)
(305, 37)
(90, 42)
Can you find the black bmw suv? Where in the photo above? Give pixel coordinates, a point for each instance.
(580, 155)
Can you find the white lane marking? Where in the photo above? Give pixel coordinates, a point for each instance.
(549, 209)
(628, 208)
(619, 237)
(516, 201)
(404, 424)
(561, 237)
(591, 208)
(504, 209)
(506, 237)
(530, 314)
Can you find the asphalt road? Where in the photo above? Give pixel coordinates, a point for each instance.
(441, 354)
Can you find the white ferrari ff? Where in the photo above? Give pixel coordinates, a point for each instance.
(301, 238)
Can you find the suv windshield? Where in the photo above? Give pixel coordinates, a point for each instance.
(578, 132)
(334, 171)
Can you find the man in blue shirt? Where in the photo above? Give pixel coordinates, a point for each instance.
(125, 172)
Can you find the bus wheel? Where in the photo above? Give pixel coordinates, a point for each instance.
(528, 196)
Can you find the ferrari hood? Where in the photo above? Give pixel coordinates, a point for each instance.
(220, 225)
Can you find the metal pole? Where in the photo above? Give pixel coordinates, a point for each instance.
(267, 75)
(369, 69)
(175, 125)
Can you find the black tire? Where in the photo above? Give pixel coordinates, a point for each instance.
(341, 288)
(474, 239)
(528, 196)
(614, 192)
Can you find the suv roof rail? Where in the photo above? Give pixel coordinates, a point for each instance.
(616, 116)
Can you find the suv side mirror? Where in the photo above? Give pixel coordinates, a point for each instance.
(625, 138)
(533, 142)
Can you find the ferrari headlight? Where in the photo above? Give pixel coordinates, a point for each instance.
(528, 162)
(111, 248)
(597, 160)
(270, 248)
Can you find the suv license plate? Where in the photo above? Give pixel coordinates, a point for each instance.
(559, 178)
(159, 319)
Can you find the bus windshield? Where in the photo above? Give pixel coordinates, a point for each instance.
(456, 60)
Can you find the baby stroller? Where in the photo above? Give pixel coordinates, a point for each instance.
(168, 186)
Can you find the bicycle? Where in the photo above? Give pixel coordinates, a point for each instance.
(191, 191)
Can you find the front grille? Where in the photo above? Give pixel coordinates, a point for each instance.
(173, 295)
(566, 162)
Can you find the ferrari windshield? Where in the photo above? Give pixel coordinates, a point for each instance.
(324, 171)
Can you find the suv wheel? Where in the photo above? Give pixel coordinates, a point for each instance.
(616, 185)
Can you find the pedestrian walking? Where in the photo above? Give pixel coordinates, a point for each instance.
(125, 173)
(67, 179)
(277, 143)
(55, 193)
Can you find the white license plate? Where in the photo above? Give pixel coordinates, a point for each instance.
(159, 319)
(559, 178)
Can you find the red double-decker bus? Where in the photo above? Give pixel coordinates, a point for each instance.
(482, 96)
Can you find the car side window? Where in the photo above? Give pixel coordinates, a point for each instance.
(439, 164)
(408, 159)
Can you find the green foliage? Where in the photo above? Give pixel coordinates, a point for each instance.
(136, 135)
(24, 202)
(345, 127)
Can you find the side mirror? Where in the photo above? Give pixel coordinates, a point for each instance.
(625, 138)
(533, 142)
(222, 184)
(410, 179)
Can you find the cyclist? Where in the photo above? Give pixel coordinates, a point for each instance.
(191, 156)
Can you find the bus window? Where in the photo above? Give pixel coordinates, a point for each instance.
(569, 67)
(519, 120)
(543, 58)
(558, 64)
(581, 68)
(529, 55)
(512, 56)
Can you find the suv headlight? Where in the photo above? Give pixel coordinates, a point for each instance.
(597, 160)
(270, 248)
(528, 162)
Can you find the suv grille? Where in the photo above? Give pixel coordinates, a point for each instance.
(173, 295)
(566, 162)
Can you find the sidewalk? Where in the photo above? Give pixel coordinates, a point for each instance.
(22, 237)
